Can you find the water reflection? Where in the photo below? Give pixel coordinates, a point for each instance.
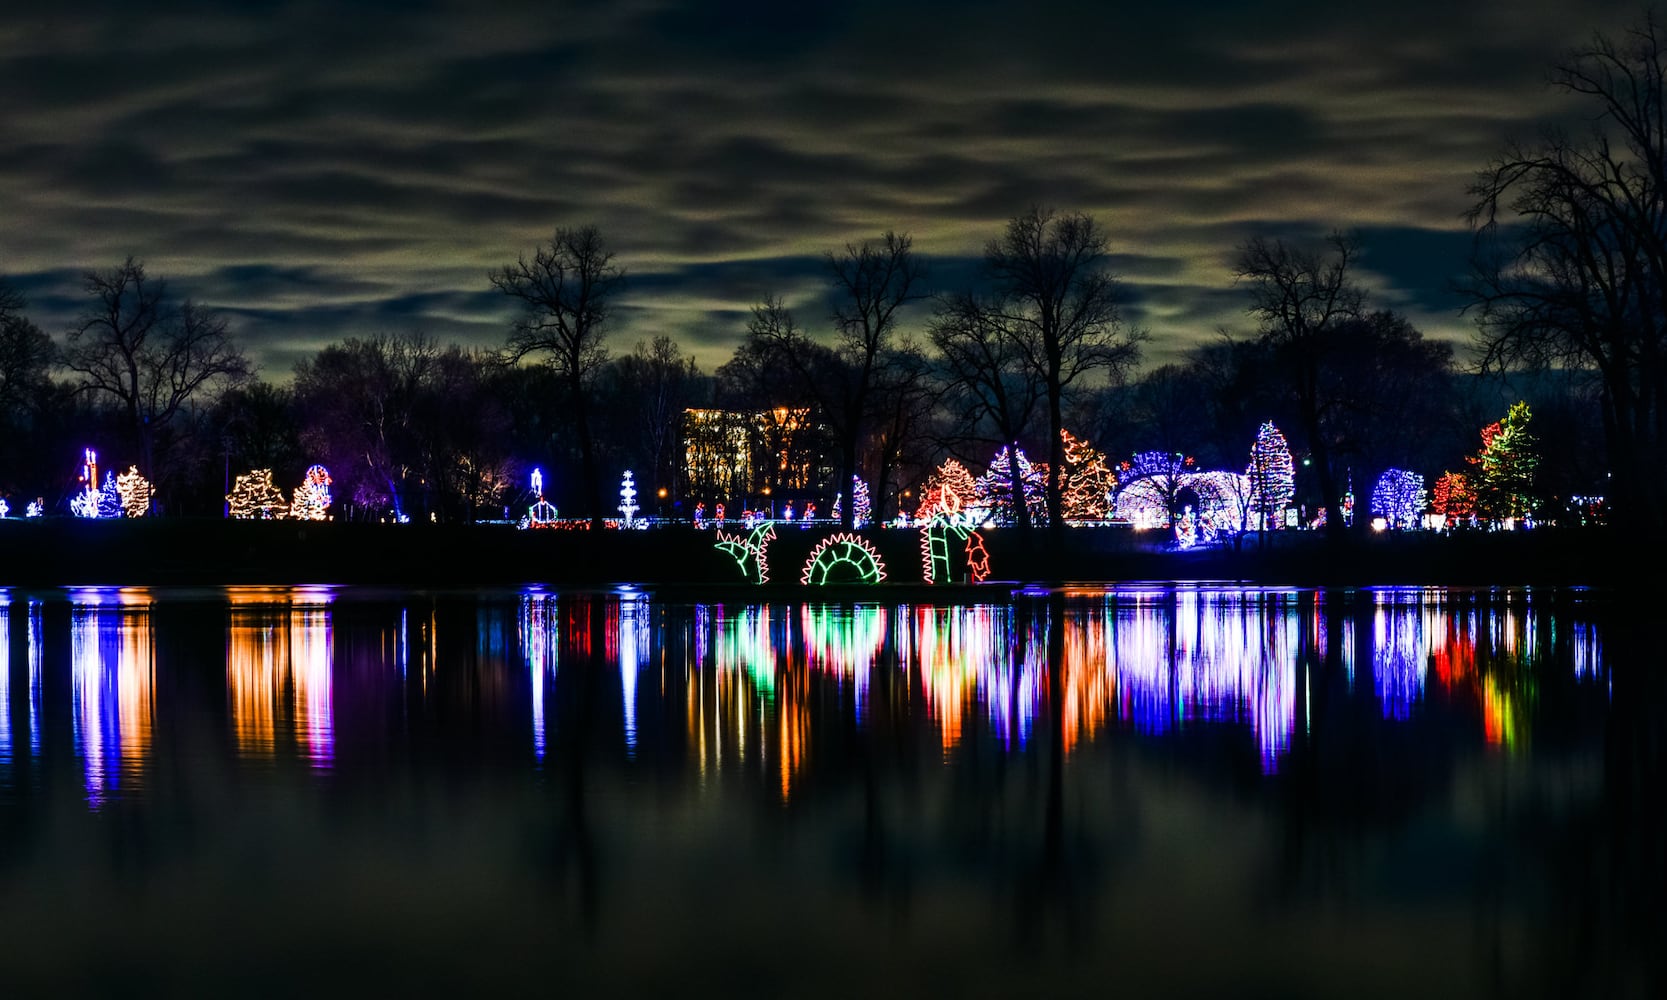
(112, 671)
(278, 672)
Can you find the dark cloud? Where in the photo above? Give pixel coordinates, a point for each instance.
(325, 170)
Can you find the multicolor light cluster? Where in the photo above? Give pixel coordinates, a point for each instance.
(1272, 475)
(947, 524)
(1087, 482)
(311, 500)
(992, 497)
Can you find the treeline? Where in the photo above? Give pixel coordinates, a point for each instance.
(899, 378)
(1570, 298)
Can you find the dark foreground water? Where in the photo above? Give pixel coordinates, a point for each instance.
(1407, 792)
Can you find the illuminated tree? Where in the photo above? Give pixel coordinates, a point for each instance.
(628, 498)
(255, 496)
(1087, 481)
(1398, 497)
(311, 500)
(1504, 480)
(1272, 475)
(993, 494)
(135, 492)
(1575, 274)
(862, 509)
(109, 497)
(1453, 496)
(950, 477)
(1301, 298)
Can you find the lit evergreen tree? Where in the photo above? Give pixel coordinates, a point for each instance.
(1505, 466)
(1272, 475)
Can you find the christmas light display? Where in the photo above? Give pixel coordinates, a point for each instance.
(85, 503)
(36, 508)
(628, 498)
(135, 492)
(538, 483)
(700, 514)
(1398, 498)
(1504, 479)
(1086, 483)
(1453, 498)
(862, 511)
(950, 476)
(5, 508)
(939, 532)
(1225, 502)
(109, 498)
(992, 496)
(843, 558)
(750, 551)
(311, 500)
(1149, 485)
(1272, 475)
(255, 496)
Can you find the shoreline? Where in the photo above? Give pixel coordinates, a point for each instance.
(60, 552)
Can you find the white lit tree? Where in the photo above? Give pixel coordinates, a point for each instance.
(255, 496)
(862, 509)
(628, 498)
(135, 492)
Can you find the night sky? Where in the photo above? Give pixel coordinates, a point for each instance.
(319, 174)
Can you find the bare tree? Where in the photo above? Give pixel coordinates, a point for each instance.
(566, 290)
(1060, 303)
(987, 384)
(155, 359)
(1300, 298)
(873, 280)
(1579, 278)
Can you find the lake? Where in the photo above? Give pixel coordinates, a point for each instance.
(1182, 790)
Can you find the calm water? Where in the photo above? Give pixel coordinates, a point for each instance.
(1197, 791)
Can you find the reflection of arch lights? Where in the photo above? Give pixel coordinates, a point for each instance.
(841, 554)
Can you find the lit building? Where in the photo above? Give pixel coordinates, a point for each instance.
(730, 455)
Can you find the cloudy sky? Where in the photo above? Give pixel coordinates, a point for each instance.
(321, 170)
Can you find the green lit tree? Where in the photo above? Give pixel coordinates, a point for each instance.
(1504, 479)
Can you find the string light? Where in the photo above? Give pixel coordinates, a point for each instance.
(1087, 482)
(750, 551)
(1398, 498)
(135, 492)
(1272, 475)
(992, 497)
(311, 500)
(842, 557)
(628, 498)
(254, 496)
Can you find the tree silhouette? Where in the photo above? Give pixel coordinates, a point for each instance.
(155, 358)
(1577, 277)
(566, 290)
